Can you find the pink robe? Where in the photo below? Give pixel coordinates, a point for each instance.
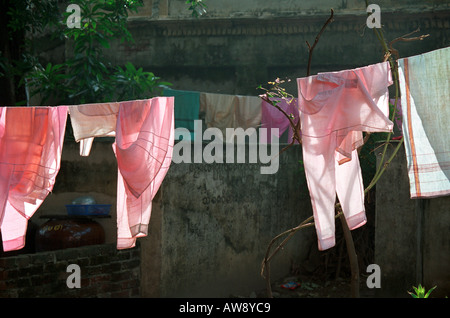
(31, 142)
(335, 108)
(143, 147)
(144, 131)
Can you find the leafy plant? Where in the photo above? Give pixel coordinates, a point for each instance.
(86, 76)
(101, 23)
(198, 7)
(132, 83)
(420, 292)
(47, 82)
(19, 21)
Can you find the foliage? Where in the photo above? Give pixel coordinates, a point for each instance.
(32, 16)
(135, 83)
(198, 7)
(421, 292)
(85, 76)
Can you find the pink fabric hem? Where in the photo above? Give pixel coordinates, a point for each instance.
(327, 243)
(357, 220)
(15, 244)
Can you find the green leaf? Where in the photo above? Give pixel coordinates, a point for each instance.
(429, 292)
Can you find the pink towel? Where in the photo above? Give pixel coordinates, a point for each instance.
(31, 141)
(272, 117)
(335, 108)
(143, 147)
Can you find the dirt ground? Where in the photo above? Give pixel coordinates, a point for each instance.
(326, 274)
(309, 287)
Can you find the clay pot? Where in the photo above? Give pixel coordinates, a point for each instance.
(61, 233)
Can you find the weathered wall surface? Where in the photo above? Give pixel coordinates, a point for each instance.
(217, 221)
(412, 242)
(104, 272)
(239, 45)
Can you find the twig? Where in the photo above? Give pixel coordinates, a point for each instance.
(405, 38)
(311, 48)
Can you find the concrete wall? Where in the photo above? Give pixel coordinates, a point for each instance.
(215, 221)
(412, 242)
(240, 45)
(177, 9)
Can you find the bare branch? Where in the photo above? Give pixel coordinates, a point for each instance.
(311, 48)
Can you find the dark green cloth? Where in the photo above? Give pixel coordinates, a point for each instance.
(187, 108)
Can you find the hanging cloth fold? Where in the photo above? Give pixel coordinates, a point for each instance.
(31, 142)
(143, 148)
(425, 100)
(93, 120)
(187, 108)
(219, 111)
(231, 111)
(144, 131)
(335, 108)
(248, 112)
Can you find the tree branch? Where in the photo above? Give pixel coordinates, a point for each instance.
(405, 38)
(311, 48)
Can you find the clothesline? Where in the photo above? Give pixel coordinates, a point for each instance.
(334, 109)
(31, 142)
(230, 111)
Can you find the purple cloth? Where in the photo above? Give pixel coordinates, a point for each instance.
(272, 117)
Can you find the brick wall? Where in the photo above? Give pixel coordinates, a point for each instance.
(105, 272)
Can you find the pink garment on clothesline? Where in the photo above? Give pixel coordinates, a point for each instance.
(335, 108)
(272, 117)
(31, 142)
(144, 131)
(143, 148)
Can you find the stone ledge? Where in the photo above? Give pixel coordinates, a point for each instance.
(276, 26)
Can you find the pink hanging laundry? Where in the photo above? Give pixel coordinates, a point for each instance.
(31, 141)
(335, 108)
(272, 117)
(144, 131)
(143, 147)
